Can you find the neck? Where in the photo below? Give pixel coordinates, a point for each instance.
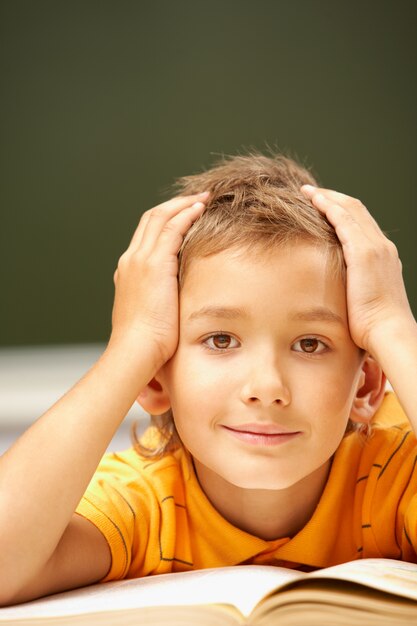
(265, 513)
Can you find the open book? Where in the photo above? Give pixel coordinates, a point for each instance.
(369, 591)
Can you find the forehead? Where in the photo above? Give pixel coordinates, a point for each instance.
(290, 278)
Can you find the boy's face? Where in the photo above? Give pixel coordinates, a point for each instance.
(265, 374)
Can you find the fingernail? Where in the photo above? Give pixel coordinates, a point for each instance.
(204, 194)
(308, 188)
(198, 205)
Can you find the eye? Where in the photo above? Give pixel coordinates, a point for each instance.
(221, 341)
(310, 345)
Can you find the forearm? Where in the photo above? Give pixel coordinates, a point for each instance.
(394, 346)
(44, 475)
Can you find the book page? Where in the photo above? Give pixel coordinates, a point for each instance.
(242, 586)
(397, 577)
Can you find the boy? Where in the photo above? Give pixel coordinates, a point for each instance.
(263, 359)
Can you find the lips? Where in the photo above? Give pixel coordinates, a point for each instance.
(262, 429)
(261, 434)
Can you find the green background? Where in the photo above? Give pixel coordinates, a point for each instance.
(103, 104)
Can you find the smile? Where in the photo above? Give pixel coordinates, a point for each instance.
(258, 435)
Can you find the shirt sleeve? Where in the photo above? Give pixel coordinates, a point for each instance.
(114, 503)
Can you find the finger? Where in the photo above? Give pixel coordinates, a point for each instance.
(138, 234)
(342, 220)
(153, 221)
(319, 196)
(172, 234)
(354, 234)
(337, 196)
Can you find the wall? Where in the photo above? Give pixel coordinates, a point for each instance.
(105, 103)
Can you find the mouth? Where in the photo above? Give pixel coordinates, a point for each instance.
(262, 434)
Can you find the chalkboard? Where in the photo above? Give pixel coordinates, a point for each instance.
(103, 104)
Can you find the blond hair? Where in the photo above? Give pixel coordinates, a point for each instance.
(255, 203)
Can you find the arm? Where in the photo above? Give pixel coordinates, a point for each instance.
(379, 313)
(44, 547)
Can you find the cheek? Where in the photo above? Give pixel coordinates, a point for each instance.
(190, 383)
(193, 369)
(332, 393)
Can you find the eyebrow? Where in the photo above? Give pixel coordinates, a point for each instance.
(218, 312)
(318, 314)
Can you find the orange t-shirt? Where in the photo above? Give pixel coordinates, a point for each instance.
(156, 518)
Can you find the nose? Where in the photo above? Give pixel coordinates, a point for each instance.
(265, 384)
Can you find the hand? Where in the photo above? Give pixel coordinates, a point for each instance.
(376, 295)
(145, 307)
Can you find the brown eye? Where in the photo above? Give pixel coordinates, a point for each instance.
(221, 341)
(309, 345)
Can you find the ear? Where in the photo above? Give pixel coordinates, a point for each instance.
(370, 391)
(154, 398)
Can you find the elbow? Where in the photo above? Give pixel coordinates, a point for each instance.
(8, 595)
(11, 592)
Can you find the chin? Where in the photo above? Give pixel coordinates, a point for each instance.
(262, 483)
